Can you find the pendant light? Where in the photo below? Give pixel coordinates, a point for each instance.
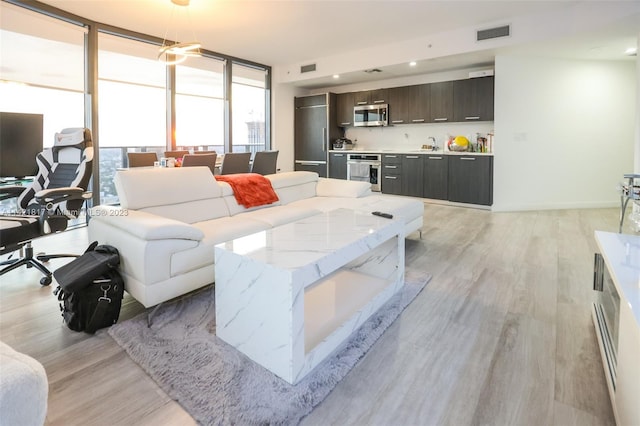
(177, 52)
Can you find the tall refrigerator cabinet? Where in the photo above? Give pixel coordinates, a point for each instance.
(315, 130)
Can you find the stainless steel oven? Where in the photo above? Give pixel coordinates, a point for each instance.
(365, 168)
(606, 310)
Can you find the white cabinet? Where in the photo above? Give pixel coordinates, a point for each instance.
(627, 393)
(621, 255)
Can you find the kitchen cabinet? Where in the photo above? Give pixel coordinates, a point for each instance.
(412, 179)
(419, 103)
(391, 182)
(338, 165)
(315, 128)
(367, 97)
(441, 101)
(435, 177)
(378, 96)
(308, 166)
(470, 179)
(473, 99)
(398, 105)
(344, 109)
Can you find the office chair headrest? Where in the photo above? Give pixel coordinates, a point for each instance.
(78, 136)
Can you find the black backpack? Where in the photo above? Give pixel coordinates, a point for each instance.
(90, 289)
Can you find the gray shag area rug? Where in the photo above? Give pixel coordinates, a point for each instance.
(217, 385)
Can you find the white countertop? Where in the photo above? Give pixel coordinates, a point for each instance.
(621, 253)
(408, 151)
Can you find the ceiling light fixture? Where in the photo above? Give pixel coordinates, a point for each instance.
(336, 76)
(178, 52)
(631, 51)
(413, 63)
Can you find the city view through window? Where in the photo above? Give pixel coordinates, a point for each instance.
(132, 93)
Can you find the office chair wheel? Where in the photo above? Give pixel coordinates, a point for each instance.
(45, 281)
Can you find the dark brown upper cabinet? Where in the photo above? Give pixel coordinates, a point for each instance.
(369, 97)
(398, 105)
(419, 104)
(441, 101)
(473, 99)
(344, 109)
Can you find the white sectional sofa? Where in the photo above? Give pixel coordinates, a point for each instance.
(170, 219)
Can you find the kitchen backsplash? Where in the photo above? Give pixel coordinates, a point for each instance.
(413, 136)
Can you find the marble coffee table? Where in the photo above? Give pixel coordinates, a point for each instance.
(289, 296)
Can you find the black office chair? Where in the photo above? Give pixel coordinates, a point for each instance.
(55, 196)
(209, 160)
(264, 162)
(141, 159)
(235, 162)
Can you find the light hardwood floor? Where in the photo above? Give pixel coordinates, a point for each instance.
(502, 335)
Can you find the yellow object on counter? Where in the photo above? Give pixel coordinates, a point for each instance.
(461, 141)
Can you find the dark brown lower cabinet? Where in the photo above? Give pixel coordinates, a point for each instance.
(412, 178)
(338, 165)
(309, 166)
(436, 174)
(470, 179)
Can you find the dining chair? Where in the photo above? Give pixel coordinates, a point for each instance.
(264, 162)
(141, 159)
(176, 154)
(235, 162)
(193, 160)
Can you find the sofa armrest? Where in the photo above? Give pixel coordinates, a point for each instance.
(146, 226)
(328, 187)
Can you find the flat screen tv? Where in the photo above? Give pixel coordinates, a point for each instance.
(20, 142)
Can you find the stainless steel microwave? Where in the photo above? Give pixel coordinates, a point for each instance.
(370, 115)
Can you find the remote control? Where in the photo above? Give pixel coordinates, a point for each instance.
(387, 215)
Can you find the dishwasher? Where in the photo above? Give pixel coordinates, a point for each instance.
(365, 168)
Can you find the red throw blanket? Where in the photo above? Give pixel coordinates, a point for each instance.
(250, 189)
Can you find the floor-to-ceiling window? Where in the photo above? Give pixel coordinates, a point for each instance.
(131, 104)
(248, 94)
(199, 104)
(42, 69)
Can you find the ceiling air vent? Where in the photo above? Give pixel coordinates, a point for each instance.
(490, 33)
(372, 70)
(308, 68)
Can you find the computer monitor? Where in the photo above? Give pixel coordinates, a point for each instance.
(20, 142)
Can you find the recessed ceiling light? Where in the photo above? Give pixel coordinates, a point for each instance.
(631, 51)
(336, 76)
(413, 63)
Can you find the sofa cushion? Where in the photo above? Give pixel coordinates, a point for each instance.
(188, 194)
(342, 188)
(227, 228)
(293, 186)
(279, 215)
(405, 208)
(141, 187)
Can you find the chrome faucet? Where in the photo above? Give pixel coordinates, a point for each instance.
(434, 146)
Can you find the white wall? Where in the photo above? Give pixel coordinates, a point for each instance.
(564, 132)
(282, 111)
